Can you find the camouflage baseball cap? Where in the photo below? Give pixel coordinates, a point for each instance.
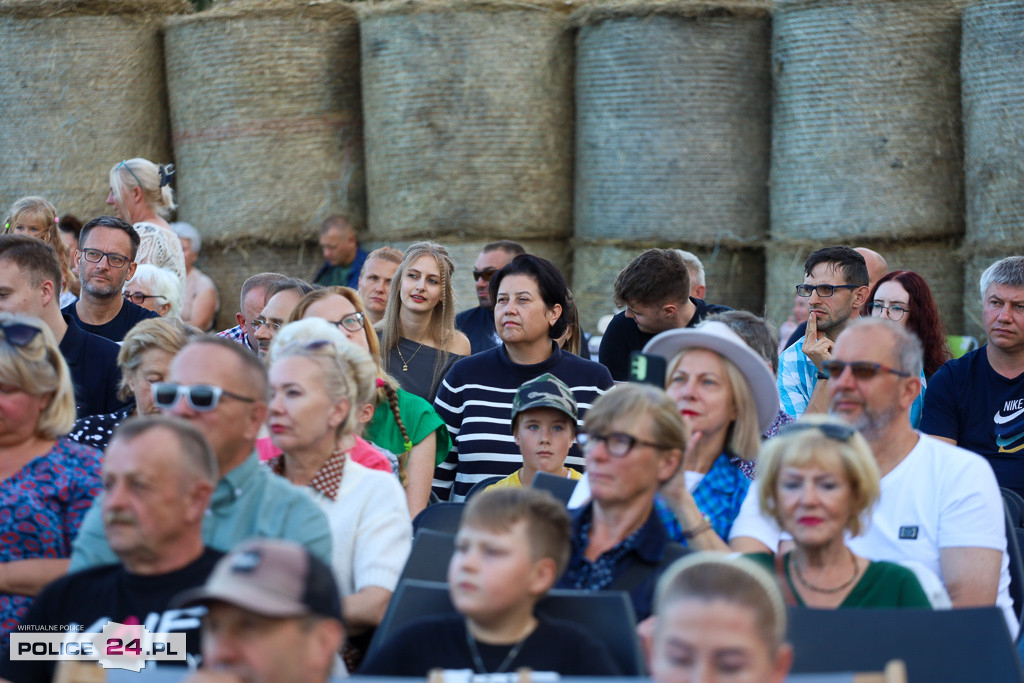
(546, 391)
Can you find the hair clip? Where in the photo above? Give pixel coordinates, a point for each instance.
(380, 383)
(166, 174)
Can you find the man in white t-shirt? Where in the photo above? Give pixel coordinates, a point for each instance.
(939, 505)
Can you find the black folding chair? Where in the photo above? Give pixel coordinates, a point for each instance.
(429, 557)
(559, 487)
(442, 517)
(1014, 506)
(482, 484)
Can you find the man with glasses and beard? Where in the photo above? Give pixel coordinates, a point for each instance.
(106, 260)
(939, 505)
(221, 388)
(836, 286)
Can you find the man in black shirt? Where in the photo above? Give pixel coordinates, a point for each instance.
(655, 289)
(159, 474)
(106, 260)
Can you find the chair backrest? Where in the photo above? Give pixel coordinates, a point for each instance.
(1014, 506)
(429, 557)
(443, 517)
(969, 644)
(559, 487)
(1016, 568)
(607, 615)
(482, 484)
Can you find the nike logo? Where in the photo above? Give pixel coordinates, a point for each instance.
(1003, 419)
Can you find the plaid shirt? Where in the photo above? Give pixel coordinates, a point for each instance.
(237, 335)
(719, 495)
(797, 378)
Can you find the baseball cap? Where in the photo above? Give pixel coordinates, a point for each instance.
(546, 391)
(270, 577)
(718, 337)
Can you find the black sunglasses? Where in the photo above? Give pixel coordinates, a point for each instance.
(19, 334)
(861, 369)
(484, 275)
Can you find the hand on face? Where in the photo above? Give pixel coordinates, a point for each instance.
(817, 347)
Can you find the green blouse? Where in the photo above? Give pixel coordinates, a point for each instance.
(883, 584)
(419, 419)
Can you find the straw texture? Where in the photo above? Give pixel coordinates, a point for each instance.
(79, 91)
(468, 119)
(938, 261)
(271, 146)
(734, 276)
(673, 127)
(992, 69)
(866, 120)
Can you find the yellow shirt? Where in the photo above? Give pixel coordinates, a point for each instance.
(513, 479)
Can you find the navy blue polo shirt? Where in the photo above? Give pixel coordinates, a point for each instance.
(94, 372)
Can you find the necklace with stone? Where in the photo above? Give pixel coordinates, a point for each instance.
(818, 589)
(405, 363)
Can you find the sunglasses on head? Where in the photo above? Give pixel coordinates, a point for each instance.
(19, 334)
(201, 397)
(832, 430)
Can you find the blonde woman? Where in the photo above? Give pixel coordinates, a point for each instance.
(47, 482)
(419, 342)
(141, 193)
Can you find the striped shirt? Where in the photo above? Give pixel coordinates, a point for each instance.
(475, 402)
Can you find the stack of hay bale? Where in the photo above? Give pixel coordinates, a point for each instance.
(81, 88)
(468, 107)
(267, 125)
(866, 145)
(672, 142)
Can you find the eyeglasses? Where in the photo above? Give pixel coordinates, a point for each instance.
(114, 260)
(896, 312)
(257, 323)
(19, 334)
(824, 291)
(139, 298)
(832, 430)
(618, 444)
(484, 275)
(201, 397)
(861, 369)
(353, 322)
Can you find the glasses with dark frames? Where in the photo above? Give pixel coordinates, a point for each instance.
(824, 291)
(618, 444)
(895, 311)
(139, 299)
(861, 369)
(353, 322)
(113, 260)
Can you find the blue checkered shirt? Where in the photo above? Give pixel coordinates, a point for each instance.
(719, 495)
(797, 377)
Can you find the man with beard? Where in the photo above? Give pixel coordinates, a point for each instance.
(106, 260)
(939, 505)
(836, 284)
(159, 474)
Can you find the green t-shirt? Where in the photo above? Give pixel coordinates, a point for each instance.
(419, 419)
(883, 584)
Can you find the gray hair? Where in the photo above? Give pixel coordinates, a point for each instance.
(161, 282)
(694, 266)
(1008, 272)
(909, 352)
(187, 231)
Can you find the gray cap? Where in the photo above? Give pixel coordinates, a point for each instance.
(546, 391)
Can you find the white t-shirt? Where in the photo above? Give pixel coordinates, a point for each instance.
(939, 496)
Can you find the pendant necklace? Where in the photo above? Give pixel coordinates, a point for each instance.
(405, 363)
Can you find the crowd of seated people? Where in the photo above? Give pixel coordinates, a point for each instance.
(140, 455)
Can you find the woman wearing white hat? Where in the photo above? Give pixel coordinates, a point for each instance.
(727, 396)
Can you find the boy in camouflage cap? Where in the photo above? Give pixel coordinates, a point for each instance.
(544, 425)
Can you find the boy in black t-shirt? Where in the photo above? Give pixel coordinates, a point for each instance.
(511, 547)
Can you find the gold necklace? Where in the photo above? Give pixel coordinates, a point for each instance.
(796, 566)
(405, 363)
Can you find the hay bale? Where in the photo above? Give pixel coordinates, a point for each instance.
(468, 119)
(267, 148)
(464, 255)
(866, 120)
(992, 69)
(673, 122)
(938, 261)
(734, 277)
(81, 88)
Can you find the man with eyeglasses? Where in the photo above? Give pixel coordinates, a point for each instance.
(30, 283)
(478, 323)
(977, 401)
(221, 388)
(106, 260)
(939, 505)
(836, 285)
(282, 297)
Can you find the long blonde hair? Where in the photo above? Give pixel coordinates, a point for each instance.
(44, 211)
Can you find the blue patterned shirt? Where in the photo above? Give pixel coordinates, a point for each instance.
(797, 378)
(237, 335)
(41, 508)
(719, 495)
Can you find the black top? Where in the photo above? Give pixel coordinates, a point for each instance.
(440, 642)
(478, 324)
(93, 597)
(92, 361)
(115, 330)
(623, 337)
